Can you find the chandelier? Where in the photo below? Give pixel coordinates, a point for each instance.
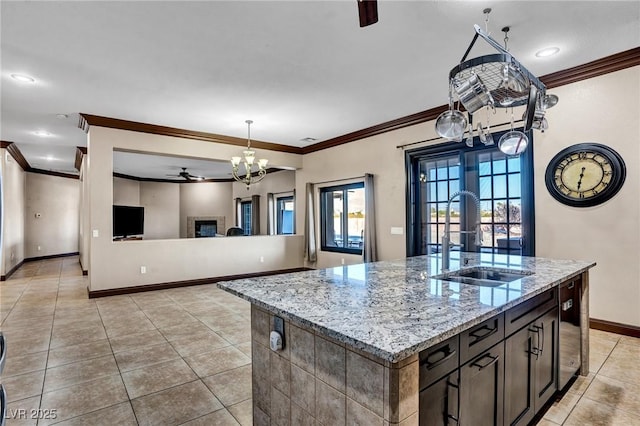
(248, 158)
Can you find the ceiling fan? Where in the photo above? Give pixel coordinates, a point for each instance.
(186, 175)
(368, 11)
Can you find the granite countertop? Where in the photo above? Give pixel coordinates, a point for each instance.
(394, 309)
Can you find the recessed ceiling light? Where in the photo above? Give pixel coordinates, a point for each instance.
(49, 157)
(23, 78)
(42, 133)
(308, 139)
(62, 116)
(548, 51)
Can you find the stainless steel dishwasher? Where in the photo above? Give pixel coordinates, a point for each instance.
(569, 345)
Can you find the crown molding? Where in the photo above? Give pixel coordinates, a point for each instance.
(53, 173)
(608, 64)
(115, 123)
(4, 144)
(12, 149)
(80, 152)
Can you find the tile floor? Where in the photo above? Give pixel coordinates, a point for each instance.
(183, 356)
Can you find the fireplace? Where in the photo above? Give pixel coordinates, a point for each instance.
(205, 226)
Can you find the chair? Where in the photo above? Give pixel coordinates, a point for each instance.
(234, 231)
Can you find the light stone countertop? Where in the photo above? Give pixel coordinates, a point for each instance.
(393, 309)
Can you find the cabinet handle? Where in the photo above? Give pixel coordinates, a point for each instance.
(450, 399)
(537, 351)
(483, 332)
(541, 328)
(3, 351)
(483, 366)
(445, 351)
(3, 405)
(570, 286)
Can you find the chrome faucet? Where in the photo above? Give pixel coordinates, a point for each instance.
(446, 240)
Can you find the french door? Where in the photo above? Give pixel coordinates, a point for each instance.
(504, 185)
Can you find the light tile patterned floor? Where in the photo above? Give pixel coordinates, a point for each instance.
(183, 356)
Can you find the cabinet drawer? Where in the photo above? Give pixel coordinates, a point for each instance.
(481, 337)
(524, 313)
(438, 361)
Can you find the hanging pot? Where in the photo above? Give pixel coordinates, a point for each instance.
(451, 125)
(539, 122)
(474, 94)
(513, 142)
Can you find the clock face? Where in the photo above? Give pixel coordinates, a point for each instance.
(585, 175)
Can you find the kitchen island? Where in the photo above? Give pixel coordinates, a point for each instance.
(357, 339)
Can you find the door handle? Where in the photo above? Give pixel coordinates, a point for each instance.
(483, 332)
(445, 351)
(3, 405)
(536, 350)
(493, 360)
(451, 387)
(3, 351)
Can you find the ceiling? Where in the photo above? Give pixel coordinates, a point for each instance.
(299, 69)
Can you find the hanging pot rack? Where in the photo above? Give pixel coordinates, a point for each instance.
(505, 78)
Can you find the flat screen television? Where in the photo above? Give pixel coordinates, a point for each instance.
(128, 221)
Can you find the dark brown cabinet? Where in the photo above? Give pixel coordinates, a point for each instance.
(499, 372)
(482, 389)
(531, 368)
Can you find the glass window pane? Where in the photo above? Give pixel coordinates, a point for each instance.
(514, 185)
(500, 211)
(500, 186)
(454, 186)
(499, 164)
(455, 235)
(515, 232)
(442, 170)
(431, 190)
(431, 174)
(433, 209)
(442, 208)
(455, 212)
(454, 168)
(443, 194)
(487, 236)
(485, 187)
(515, 210)
(355, 204)
(513, 164)
(486, 211)
(484, 164)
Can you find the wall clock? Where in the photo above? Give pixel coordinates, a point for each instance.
(585, 174)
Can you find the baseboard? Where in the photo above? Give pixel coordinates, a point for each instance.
(51, 256)
(11, 271)
(186, 283)
(614, 327)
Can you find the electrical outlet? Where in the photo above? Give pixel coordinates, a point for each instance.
(397, 230)
(143, 269)
(95, 233)
(342, 261)
(261, 259)
(39, 248)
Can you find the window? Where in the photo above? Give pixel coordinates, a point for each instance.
(503, 184)
(245, 217)
(284, 215)
(342, 218)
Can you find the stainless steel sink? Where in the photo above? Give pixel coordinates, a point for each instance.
(483, 276)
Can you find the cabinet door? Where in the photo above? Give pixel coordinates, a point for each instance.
(482, 389)
(520, 351)
(546, 365)
(439, 402)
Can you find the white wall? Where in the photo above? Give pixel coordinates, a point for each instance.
(161, 202)
(57, 202)
(117, 264)
(13, 182)
(205, 199)
(277, 182)
(126, 192)
(603, 109)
